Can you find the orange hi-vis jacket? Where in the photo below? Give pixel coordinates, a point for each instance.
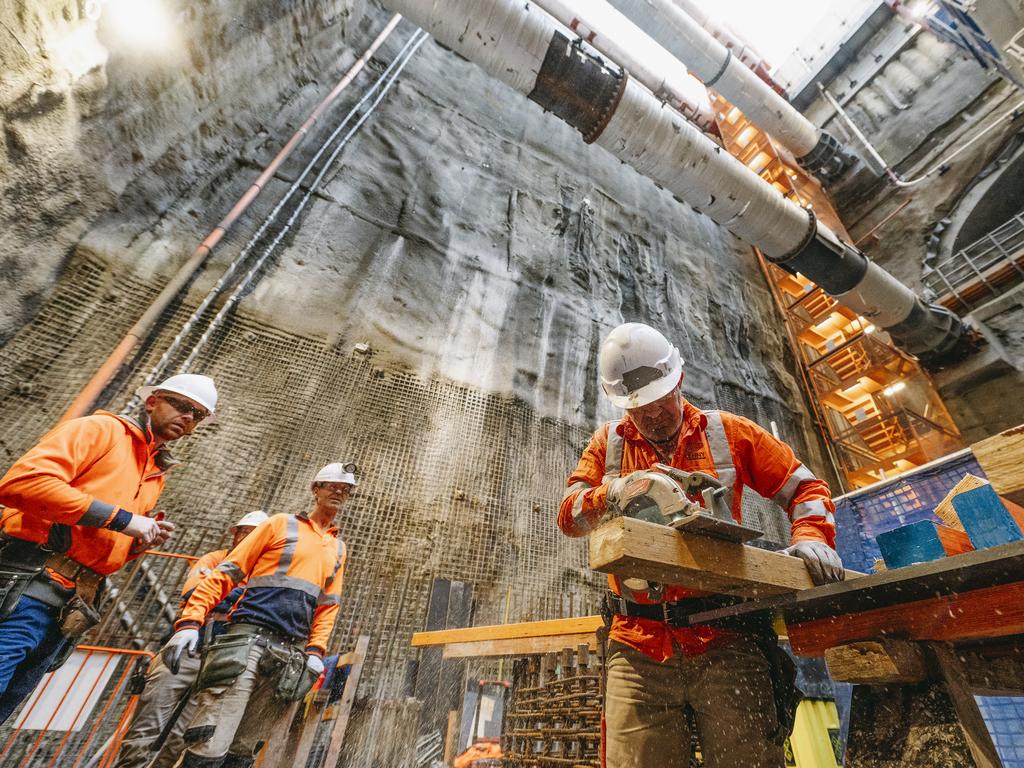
(293, 572)
(202, 568)
(734, 449)
(79, 485)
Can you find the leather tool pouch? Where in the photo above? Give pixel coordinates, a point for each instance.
(787, 695)
(224, 660)
(76, 618)
(294, 677)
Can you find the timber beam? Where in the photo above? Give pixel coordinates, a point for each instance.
(524, 639)
(636, 549)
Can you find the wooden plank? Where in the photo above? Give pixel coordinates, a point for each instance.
(524, 646)
(633, 548)
(1002, 458)
(578, 625)
(955, 675)
(876, 662)
(972, 570)
(945, 510)
(982, 613)
(348, 697)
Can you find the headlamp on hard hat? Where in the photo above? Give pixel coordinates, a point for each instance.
(337, 472)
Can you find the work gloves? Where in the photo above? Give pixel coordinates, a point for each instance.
(315, 664)
(182, 641)
(822, 561)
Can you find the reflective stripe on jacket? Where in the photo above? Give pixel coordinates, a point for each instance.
(75, 488)
(734, 449)
(294, 574)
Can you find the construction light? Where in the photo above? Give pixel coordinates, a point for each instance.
(893, 388)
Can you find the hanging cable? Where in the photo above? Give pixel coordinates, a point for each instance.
(382, 84)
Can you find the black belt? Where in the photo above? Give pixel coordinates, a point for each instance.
(21, 554)
(677, 614)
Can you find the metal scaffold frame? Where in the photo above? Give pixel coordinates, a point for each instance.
(877, 408)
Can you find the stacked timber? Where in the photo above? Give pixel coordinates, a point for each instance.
(553, 717)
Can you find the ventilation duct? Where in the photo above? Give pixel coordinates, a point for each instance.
(528, 50)
(664, 20)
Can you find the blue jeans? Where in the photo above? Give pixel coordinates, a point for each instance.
(30, 640)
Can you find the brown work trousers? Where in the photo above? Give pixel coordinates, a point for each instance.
(729, 689)
(238, 719)
(157, 704)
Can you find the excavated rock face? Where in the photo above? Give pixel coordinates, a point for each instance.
(464, 234)
(94, 126)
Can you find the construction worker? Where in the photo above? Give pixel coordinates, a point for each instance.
(77, 509)
(271, 651)
(736, 681)
(166, 705)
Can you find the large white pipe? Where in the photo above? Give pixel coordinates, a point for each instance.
(669, 24)
(622, 41)
(528, 50)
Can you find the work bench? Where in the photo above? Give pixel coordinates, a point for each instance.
(918, 643)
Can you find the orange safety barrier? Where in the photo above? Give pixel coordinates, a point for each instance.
(91, 690)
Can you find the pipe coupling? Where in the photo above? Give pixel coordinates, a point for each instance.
(828, 160)
(577, 87)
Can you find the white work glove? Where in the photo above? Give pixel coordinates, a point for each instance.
(822, 561)
(143, 529)
(163, 532)
(315, 664)
(182, 641)
(616, 489)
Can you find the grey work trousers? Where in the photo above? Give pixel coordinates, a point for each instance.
(729, 689)
(162, 694)
(238, 719)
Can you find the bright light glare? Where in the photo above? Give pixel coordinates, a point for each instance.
(892, 389)
(774, 29)
(142, 25)
(77, 50)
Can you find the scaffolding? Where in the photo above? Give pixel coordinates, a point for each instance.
(876, 406)
(985, 269)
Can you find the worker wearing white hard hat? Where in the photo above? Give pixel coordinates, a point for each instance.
(76, 507)
(166, 705)
(659, 668)
(294, 566)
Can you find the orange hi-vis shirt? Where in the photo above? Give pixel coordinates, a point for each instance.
(293, 572)
(79, 485)
(747, 455)
(202, 568)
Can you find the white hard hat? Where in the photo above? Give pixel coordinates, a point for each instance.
(194, 386)
(250, 520)
(638, 365)
(337, 473)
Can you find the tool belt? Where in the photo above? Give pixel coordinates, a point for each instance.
(282, 656)
(677, 614)
(23, 567)
(759, 625)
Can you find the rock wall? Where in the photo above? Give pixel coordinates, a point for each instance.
(924, 107)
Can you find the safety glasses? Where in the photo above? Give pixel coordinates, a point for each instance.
(184, 407)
